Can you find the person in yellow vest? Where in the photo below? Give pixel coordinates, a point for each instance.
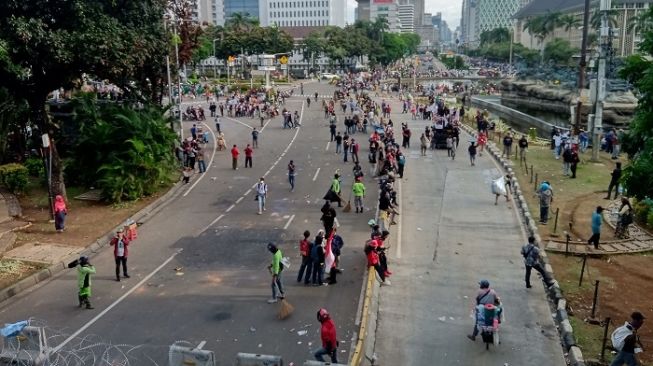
(358, 190)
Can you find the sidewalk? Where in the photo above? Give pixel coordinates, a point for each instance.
(451, 235)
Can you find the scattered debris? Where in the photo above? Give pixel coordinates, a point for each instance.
(442, 318)
(252, 329)
(260, 345)
(302, 332)
(419, 229)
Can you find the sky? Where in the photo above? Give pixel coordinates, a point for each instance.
(450, 9)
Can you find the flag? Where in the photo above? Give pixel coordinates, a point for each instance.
(329, 257)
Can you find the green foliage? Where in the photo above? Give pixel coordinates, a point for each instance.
(454, 63)
(559, 51)
(638, 140)
(497, 35)
(641, 209)
(501, 52)
(35, 167)
(125, 152)
(14, 177)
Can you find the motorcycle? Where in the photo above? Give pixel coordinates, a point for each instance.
(488, 319)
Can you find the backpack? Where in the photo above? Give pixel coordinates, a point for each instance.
(619, 335)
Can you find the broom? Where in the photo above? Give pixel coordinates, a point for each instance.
(285, 310)
(347, 207)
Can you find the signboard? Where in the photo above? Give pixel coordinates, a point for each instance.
(283, 60)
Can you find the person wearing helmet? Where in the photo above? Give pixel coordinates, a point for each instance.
(84, 271)
(328, 335)
(275, 269)
(485, 295)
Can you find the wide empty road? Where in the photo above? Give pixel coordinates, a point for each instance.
(452, 235)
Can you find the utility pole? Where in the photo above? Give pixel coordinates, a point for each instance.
(604, 7)
(181, 124)
(172, 122)
(581, 71)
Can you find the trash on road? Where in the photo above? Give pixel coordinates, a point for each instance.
(442, 318)
(302, 332)
(252, 329)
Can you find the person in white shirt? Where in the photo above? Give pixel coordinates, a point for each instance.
(261, 194)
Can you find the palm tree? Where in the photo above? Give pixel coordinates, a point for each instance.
(533, 26)
(569, 21)
(241, 22)
(595, 21)
(379, 26)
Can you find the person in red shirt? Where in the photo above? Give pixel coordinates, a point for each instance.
(234, 157)
(328, 335)
(120, 245)
(307, 263)
(373, 259)
(248, 156)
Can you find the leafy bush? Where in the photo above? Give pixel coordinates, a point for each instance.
(14, 177)
(641, 210)
(649, 218)
(35, 167)
(127, 153)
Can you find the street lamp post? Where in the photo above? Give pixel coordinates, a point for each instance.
(215, 66)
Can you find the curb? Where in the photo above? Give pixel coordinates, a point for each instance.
(566, 332)
(93, 248)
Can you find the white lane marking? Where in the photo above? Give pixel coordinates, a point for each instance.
(215, 140)
(316, 173)
(211, 224)
(237, 121)
(289, 221)
(400, 221)
(240, 199)
(201, 345)
(265, 125)
(336, 221)
(301, 117)
(327, 147)
(114, 304)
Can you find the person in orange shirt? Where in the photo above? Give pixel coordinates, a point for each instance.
(234, 157)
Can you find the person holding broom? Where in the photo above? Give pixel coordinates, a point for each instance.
(333, 195)
(276, 267)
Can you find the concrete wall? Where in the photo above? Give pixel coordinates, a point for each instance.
(523, 120)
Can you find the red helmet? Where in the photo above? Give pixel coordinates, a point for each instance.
(322, 315)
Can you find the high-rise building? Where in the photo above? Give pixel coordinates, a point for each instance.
(302, 13)
(217, 12)
(479, 16)
(418, 6)
(406, 15)
(388, 9)
(245, 7)
(363, 10)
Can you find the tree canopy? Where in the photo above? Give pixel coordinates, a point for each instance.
(363, 38)
(638, 141)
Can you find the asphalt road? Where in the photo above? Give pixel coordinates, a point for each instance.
(212, 235)
(451, 236)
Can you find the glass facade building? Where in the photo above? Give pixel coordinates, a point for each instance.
(241, 6)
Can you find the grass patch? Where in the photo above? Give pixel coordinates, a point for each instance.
(590, 339)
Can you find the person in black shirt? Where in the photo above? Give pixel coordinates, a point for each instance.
(472, 153)
(614, 181)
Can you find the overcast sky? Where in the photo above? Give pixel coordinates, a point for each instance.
(450, 9)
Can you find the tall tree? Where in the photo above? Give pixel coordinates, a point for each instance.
(54, 42)
(570, 22)
(638, 141)
(188, 30)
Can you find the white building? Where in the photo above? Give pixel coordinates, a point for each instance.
(406, 15)
(302, 13)
(479, 16)
(209, 11)
(386, 9)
